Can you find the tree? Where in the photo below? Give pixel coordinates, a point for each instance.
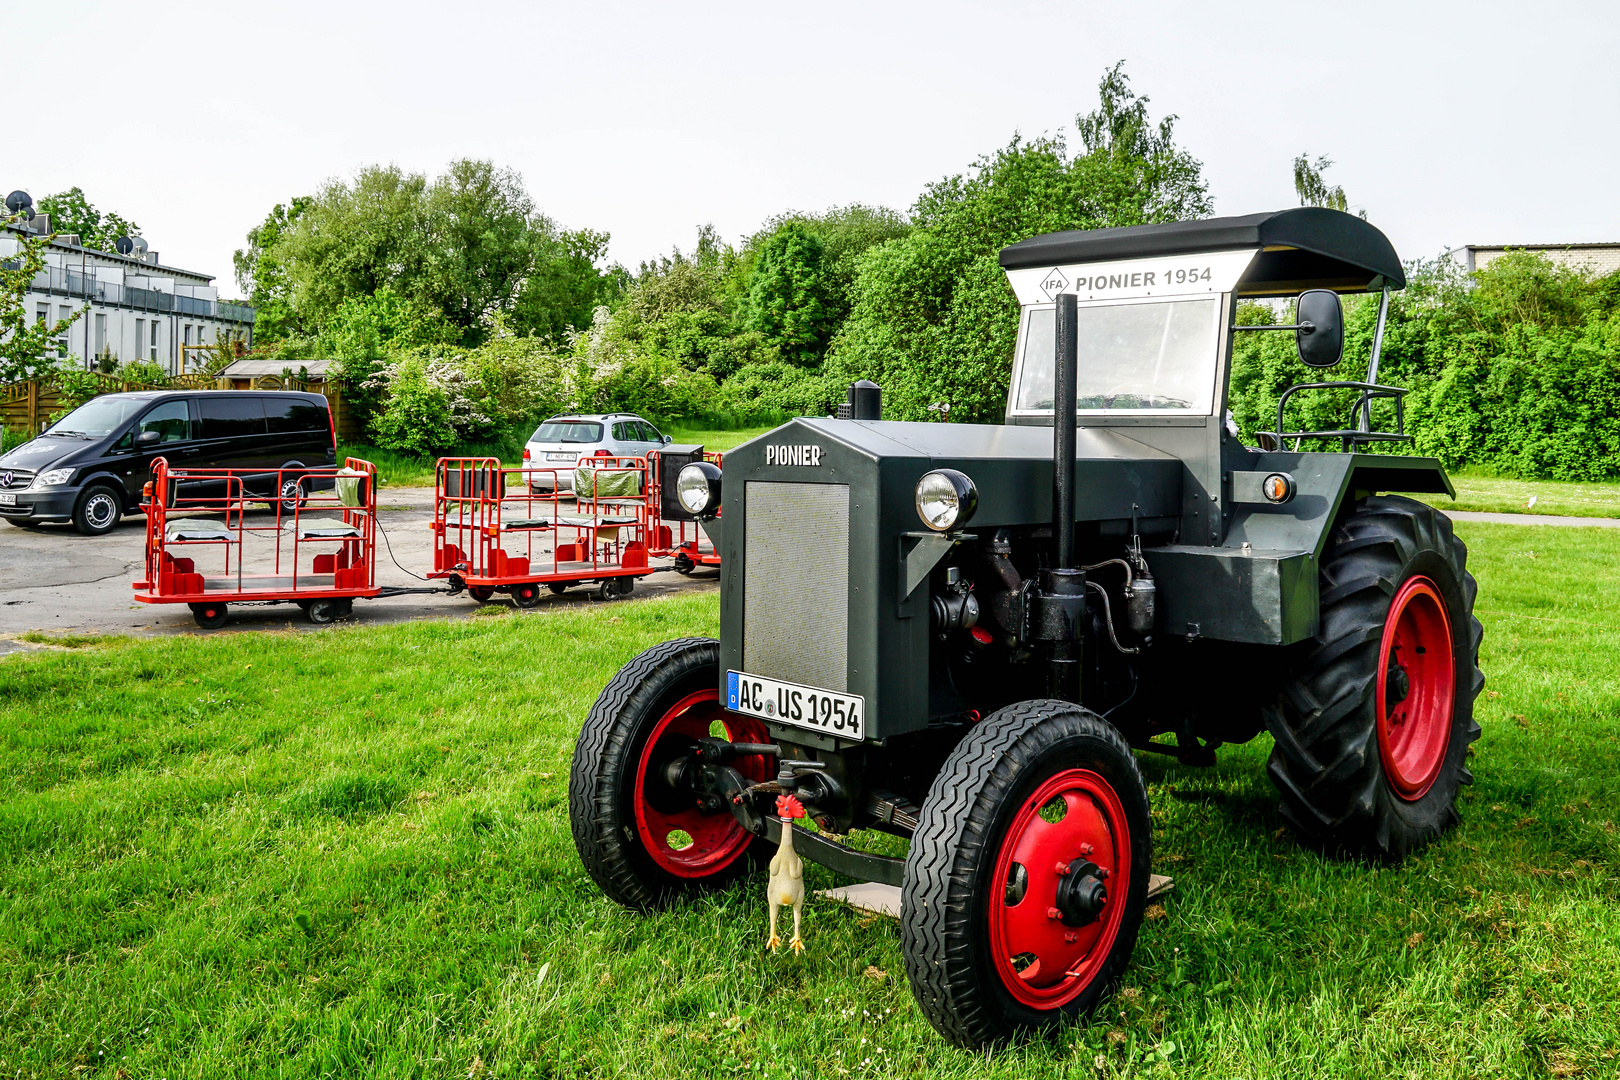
(263, 274)
(71, 212)
(1312, 189)
(25, 347)
(933, 318)
(564, 288)
(787, 295)
(483, 236)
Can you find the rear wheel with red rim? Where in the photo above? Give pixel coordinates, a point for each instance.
(1372, 730)
(1027, 877)
(644, 832)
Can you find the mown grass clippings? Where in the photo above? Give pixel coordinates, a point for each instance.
(354, 858)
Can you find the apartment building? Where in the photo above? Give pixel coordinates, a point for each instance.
(138, 309)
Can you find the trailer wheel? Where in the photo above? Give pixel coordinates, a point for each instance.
(321, 612)
(526, 595)
(209, 616)
(614, 588)
(1027, 877)
(559, 587)
(641, 838)
(1372, 730)
(481, 593)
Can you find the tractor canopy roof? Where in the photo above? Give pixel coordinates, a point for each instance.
(1308, 247)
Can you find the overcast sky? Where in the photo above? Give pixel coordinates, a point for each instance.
(1450, 123)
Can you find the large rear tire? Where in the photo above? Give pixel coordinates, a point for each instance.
(1027, 876)
(641, 839)
(1372, 730)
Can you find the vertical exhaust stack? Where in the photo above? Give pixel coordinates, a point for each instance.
(1064, 586)
(865, 400)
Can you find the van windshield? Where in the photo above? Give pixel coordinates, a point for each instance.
(1152, 357)
(567, 431)
(99, 417)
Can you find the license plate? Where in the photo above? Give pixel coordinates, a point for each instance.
(8, 498)
(562, 457)
(798, 706)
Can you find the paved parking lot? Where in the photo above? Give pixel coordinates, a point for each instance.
(56, 581)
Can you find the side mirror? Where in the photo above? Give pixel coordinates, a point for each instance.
(1320, 337)
(668, 439)
(148, 438)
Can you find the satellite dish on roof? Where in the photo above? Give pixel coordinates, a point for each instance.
(20, 202)
(123, 245)
(138, 245)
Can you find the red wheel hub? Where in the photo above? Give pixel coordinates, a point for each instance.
(1044, 954)
(682, 836)
(1416, 688)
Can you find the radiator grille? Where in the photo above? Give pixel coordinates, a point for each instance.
(796, 597)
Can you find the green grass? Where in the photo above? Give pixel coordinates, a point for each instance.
(348, 854)
(62, 641)
(716, 440)
(1476, 491)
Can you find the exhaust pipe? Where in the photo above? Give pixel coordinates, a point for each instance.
(1065, 583)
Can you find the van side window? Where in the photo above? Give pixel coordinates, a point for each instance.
(287, 415)
(226, 416)
(171, 420)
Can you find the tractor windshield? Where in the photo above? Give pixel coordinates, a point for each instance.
(1134, 357)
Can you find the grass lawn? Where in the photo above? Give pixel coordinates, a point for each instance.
(348, 854)
(716, 440)
(1492, 493)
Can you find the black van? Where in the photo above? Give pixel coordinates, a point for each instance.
(89, 468)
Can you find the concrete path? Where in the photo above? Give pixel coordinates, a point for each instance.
(55, 581)
(1533, 519)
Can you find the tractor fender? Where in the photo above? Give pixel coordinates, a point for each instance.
(1259, 585)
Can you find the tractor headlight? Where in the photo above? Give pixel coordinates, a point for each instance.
(946, 499)
(698, 489)
(54, 478)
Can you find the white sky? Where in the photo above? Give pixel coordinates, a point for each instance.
(1450, 123)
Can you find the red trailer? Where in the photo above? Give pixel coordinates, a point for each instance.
(495, 533)
(673, 532)
(319, 556)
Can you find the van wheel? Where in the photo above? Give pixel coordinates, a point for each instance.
(98, 512)
(293, 496)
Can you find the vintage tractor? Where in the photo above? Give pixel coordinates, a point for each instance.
(959, 633)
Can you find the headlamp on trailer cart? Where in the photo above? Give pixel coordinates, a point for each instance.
(946, 499)
(698, 489)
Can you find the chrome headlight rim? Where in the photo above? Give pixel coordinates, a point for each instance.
(697, 489)
(946, 499)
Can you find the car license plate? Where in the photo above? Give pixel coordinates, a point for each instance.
(798, 706)
(8, 498)
(562, 457)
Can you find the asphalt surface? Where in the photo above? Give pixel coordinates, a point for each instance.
(55, 581)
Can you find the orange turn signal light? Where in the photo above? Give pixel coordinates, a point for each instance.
(1278, 487)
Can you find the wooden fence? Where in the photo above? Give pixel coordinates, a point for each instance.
(27, 406)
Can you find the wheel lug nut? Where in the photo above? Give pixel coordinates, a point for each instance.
(1053, 913)
(1062, 869)
(1103, 872)
(1071, 937)
(1086, 849)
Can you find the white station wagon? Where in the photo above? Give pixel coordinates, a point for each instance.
(561, 441)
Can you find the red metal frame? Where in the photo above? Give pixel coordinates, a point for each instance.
(677, 539)
(481, 507)
(297, 573)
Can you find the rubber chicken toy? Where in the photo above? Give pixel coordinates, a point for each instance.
(787, 875)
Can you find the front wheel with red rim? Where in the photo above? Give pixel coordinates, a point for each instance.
(644, 831)
(1027, 876)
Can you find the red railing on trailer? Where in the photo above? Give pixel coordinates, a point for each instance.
(195, 510)
(483, 510)
(673, 533)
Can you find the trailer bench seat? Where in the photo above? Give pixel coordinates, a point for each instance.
(602, 521)
(327, 529)
(198, 531)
